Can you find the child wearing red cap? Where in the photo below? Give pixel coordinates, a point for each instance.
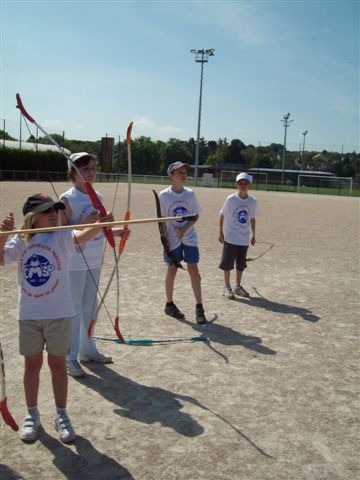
(178, 200)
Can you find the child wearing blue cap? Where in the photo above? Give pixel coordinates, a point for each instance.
(178, 200)
(238, 217)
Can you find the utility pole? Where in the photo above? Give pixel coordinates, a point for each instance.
(201, 56)
(286, 123)
(303, 149)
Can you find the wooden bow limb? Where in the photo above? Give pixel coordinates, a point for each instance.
(124, 238)
(116, 323)
(127, 214)
(163, 237)
(6, 415)
(138, 221)
(271, 245)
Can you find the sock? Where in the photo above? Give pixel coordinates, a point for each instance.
(169, 303)
(60, 412)
(33, 411)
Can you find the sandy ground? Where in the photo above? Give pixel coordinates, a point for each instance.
(273, 394)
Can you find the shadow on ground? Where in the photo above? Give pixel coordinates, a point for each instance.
(86, 463)
(150, 404)
(7, 473)
(217, 333)
(262, 302)
(142, 403)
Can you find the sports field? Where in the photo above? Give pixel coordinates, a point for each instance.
(272, 395)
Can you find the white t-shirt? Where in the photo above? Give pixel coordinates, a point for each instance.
(43, 274)
(92, 250)
(238, 212)
(178, 204)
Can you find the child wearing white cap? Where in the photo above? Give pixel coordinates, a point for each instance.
(237, 218)
(85, 265)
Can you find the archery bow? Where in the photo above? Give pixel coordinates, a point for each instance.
(89, 188)
(163, 237)
(271, 245)
(124, 237)
(6, 415)
(150, 341)
(127, 214)
(95, 200)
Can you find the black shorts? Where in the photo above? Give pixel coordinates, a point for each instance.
(232, 253)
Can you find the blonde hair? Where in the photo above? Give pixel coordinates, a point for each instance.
(28, 223)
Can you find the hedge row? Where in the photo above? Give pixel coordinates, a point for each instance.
(11, 159)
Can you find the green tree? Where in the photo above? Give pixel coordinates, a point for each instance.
(5, 136)
(175, 150)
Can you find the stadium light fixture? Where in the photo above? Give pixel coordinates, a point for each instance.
(201, 56)
(286, 123)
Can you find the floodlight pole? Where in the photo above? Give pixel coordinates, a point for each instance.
(286, 123)
(201, 56)
(303, 148)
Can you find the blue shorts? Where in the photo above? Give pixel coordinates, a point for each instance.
(183, 252)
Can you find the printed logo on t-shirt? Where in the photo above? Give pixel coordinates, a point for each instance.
(240, 218)
(180, 211)
(37, 270)
(243, 216)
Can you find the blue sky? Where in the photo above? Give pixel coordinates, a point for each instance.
(89, 68)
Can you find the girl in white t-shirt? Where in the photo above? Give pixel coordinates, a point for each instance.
(237, 216)
(45, 303)
(85, 264)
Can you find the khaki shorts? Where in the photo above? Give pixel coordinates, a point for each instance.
(35, 334)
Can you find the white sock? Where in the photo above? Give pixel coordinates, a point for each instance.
(60, 412)
(33, 411)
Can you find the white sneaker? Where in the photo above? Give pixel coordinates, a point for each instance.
(64, 428)
(30, 428)
(239, 290)
(97, 358)
(74, 368)
(228, 293)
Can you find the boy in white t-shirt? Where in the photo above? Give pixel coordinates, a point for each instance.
(178, 200)
(238, 217)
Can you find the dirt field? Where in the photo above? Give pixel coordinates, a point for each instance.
(273, 394)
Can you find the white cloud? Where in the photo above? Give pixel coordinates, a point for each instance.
(169, 130)
(240, 130)
(145, 125)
